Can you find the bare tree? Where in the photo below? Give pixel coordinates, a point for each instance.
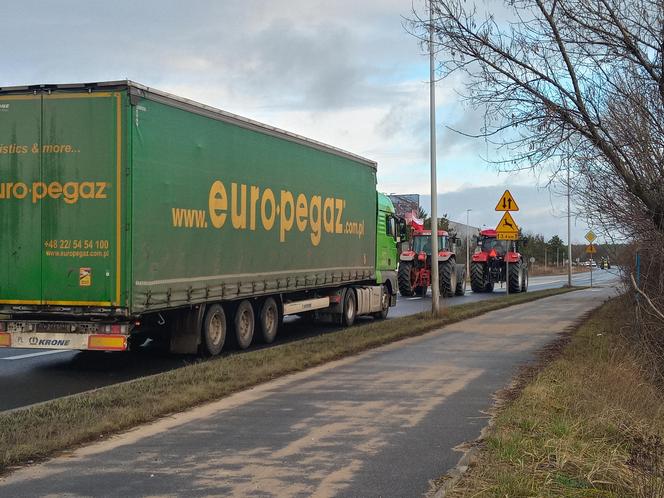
(578, 82)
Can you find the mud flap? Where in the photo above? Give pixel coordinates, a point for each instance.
(186, 330)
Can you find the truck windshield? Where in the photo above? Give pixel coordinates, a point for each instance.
(423, 243)
(490, 243)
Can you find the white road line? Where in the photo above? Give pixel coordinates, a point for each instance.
(32, 355)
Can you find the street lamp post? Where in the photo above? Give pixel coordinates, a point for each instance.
(569, 233)
(468, 242)
(435, 290)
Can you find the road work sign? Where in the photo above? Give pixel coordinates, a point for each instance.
(591, 249)
(507, 203)
(590, 236)
(507, 229)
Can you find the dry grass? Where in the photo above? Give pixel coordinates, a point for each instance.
(40, 431)
(589, 424)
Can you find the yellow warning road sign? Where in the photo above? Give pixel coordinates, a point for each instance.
(507, 203)
(590, 236)
(507, 236)
(591, 249)
(507, 229)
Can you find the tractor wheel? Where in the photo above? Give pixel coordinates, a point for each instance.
(524, 280)
(515, 278)
(447, 277)
(406, 278)
(461, 281)
(477, 281)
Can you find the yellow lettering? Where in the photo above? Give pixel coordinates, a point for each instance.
(55, 190)
(239, 216)
(70, 191)
(286, 223)
(339, 204)
(101, 187)
(254, 193)
(301, 212)
(38, 191)
(87, 190)
(328, 214)
(314, 221)
(23, 190)
(268, 196)
(217, 204)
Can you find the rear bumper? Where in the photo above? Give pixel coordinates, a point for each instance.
(63, 335)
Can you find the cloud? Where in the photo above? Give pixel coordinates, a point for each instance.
(343, 72)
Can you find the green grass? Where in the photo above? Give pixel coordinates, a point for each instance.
(589, 424)
(40, 431)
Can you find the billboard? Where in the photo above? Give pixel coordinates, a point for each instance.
(405, 204)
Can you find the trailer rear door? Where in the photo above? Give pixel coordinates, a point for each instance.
(67, 229)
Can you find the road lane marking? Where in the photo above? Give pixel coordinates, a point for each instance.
(32, 355)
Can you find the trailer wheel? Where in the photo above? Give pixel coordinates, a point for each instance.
(350, 308)
(244, 324)
(269, 320)
(213, 332)
(384, 303)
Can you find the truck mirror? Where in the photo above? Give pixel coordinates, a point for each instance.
(402, 229)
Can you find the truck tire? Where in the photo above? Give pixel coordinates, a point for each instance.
(349, 311)
(515, 278)
(269, 320)
(524, 281)
(477, 283)
(384, 302)
(461, 281)
(213, 331)
(405, 278)
(447, 277)
(244, 324)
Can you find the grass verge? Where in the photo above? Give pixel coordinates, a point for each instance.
(589, 424)
(37, 432)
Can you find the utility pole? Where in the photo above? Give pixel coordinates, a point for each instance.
(569, 233)
(467, 243)
(435, 289)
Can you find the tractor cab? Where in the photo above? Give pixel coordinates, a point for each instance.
(422, 241)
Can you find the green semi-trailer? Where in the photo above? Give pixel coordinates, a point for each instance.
(126, 212)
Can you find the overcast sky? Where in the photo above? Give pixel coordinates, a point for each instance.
(343, 72)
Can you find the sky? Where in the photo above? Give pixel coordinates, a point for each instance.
(346, 73)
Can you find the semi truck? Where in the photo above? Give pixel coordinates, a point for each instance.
(127, 213)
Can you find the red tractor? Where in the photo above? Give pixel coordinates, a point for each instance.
(497, 261)
(415, 266)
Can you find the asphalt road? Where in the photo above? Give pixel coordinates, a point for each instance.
(31, 376)
(383, 423)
